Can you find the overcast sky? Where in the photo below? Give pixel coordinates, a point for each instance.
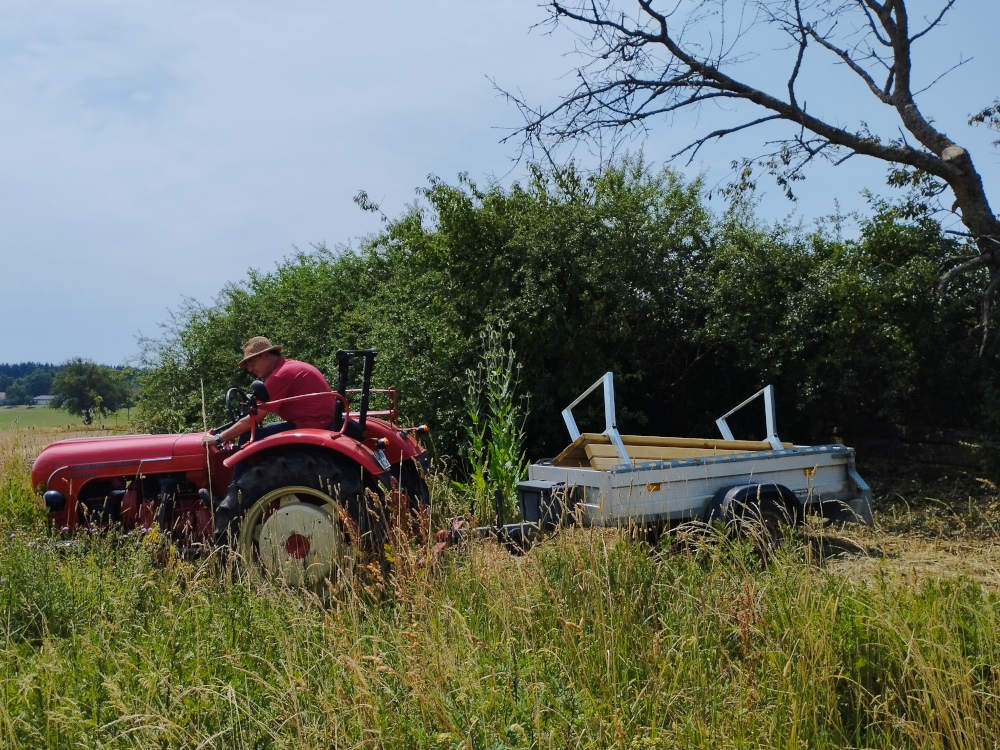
(152, 151)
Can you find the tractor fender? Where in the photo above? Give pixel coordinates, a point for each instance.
(401, 444)
(351, 449)
(727, 499)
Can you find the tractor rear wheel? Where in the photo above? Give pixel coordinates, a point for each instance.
(418, 494)
(306, 519)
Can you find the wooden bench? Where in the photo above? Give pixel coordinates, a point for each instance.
(596, 450)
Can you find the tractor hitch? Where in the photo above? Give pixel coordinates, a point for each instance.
(544, 506)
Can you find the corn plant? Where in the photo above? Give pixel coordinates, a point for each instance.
(495, 429)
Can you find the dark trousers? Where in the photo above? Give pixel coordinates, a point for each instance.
(272, 429)
(261, 432)
(227, 509)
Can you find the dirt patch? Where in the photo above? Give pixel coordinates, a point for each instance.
(874, 552)
(930, 523)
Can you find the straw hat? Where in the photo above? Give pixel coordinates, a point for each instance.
(257, 345)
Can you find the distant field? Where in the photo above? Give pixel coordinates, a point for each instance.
(21, 417)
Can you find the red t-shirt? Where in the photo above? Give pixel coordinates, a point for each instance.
(294, 378)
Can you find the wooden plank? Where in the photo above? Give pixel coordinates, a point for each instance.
(574, 454)
(654, 452)
(682, 442)
(595, 445)
(604, 464)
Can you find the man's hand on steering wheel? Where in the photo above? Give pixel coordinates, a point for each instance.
(211, 439)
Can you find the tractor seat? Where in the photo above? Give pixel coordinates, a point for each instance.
(353, 430)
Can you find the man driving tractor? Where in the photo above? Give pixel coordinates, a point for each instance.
(283, 379)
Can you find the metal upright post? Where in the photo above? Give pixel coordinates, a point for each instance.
(366, 384)
(343, 369)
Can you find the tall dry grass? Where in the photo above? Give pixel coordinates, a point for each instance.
(593, 639)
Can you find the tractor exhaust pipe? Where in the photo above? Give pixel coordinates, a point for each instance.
(366, 386)
(344, 357)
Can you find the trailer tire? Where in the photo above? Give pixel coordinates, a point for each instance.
(306, 518)
(763, 522)
(759, 513)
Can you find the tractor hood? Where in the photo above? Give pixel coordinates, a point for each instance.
(119, 455)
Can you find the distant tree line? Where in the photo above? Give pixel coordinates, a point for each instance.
(10, 371)
(22, 381)
(628, 271)
(80, 386)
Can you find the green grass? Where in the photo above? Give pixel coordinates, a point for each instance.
(593, 639)
(28, 417)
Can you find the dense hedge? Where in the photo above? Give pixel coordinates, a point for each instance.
(626, 271)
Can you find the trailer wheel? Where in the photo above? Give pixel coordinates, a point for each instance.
(306, 519)
(762, 522)
(754, 514)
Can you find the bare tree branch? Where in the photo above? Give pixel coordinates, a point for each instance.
(867, 8)
(695, 145)
(933, 23)
(937, 79)
(654, 62)
(880, 93)
(803, 40)
(967, 265)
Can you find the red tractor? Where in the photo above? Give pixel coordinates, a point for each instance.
(312, 502)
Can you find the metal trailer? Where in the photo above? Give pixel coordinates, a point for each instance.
(607, 479)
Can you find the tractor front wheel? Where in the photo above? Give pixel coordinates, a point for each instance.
(306, 519)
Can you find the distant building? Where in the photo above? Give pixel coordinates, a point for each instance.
(3, 397)
(43, 400)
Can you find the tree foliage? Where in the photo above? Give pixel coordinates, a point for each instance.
(22, 381)
(624, 271)
(641, 64)
(17, 394)
(856, 330)
(85, 388)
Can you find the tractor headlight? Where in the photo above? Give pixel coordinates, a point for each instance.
(55, 501)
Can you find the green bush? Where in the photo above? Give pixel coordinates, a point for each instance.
(627, 271)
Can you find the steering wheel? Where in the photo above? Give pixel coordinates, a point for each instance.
(236, 406)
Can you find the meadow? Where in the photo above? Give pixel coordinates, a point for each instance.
(881, 637)
(45, 417)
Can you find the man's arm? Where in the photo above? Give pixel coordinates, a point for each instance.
(231, 433)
